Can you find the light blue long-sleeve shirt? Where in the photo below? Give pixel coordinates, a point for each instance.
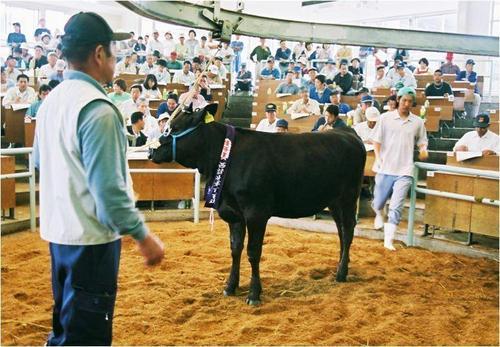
(102, 142)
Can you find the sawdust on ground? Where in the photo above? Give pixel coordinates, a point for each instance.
(408, 297)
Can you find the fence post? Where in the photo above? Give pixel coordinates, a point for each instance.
(197, 196)
(413, 203)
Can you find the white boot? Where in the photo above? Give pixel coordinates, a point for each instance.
(378, 223)
(389, 232)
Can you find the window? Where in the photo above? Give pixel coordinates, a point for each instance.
(495, 21)
(55, 21)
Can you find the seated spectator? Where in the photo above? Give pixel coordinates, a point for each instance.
(25, 55)
(205, 90)
(406, 78)
(213, 75)
(392, 103)
(15, 38)
(193, 98)
(438, 87)
(449, 67)
(184, 76)
(173, 63)
(270, 71)
(392, 73)
(11, 71)
(472, 97)
(297, 76)
(423, 67)
(196, 64)
(329, 71)
(38, 59)
(58, 75)
(156, 56)
(137, 138)
(129, 106)
(17, 53)
(154, 44)
(343, 78)
(309, 79)
(41, 29)
(192, 44)
(481, 139)
(6, 83)
(320, 92)
(140, 48)
(50, 68)
(365, 130)
(380, 80)
(330, 120)
(204, 50)
(243, 79)
(151, 125)
(19, 94)
(287, 87)
(364, 92)
(336, 99)
(169, 106)
(281, 126)
(305, 106)
(162, 74)
(53, 83)
(125, 66)
(220, 67)
(148, 67)
(268, 124)
(357, 73)
(43, 91)
(45, 42)
(359, 114)
(119, 93)
(181, 48)
(150, 88)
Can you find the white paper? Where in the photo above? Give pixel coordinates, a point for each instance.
(283, 95)
(16, 107)
(216, 86)
(298, 115)
(137, 155)
(461, 155)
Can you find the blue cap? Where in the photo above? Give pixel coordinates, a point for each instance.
(400, 66)
(296, 68)
(281, 123)
(366, 98)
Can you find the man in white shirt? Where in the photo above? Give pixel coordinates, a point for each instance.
(154, 44)
(329, 70)
(48, 69)
(305, 106)
(20, 94)
(129, 106)
(268, 124)
(405, 77)
(126, 66)
(148, 67)
(150, 124)
(181, 48)
(221, 68)
(395, 137)
(10, 69)
(365, 130)
(193, 97)
(481, 139)
(380, 80)
(168, 44)
(391, 74)
(162, 74)
(184, 76)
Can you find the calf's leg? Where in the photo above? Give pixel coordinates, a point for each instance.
(256, 231)
(237, 238)
(348, 224)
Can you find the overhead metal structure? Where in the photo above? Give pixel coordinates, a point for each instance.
(224, 23)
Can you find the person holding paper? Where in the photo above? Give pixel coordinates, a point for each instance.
(20, 94)
(394, 140)
(288, 87)
(305, 106)
(479, 140)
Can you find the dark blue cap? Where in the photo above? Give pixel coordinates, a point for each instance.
(482, 120)
(366, 98)
(281, 123)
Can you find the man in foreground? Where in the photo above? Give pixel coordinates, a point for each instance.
(86, 200)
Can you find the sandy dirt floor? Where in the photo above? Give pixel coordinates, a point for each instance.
(408, 297)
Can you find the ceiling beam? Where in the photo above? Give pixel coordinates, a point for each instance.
(198, 16)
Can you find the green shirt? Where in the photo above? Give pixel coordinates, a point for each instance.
(33, 109)
(119, 98)
(174, 65)
(261, 53)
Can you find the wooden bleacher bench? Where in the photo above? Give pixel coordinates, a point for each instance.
(8, 186)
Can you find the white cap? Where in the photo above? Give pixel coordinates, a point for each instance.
(163, 116)
(60, 65)
(24, 45)
(372, 114)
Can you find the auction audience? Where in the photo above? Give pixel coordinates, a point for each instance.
(365, 130)
(184, 76)
(343, 79)
(270, 71)
(423, 67)
(320, 92)
(137, 137)
(330, 120)
(268, 124)
(150, 88)
(438, 87)
(43, 91)
(287, 87)
(305, 106)
(19, 94)
(481, 139)
(119, 93)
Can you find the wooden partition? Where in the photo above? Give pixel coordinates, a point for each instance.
(8, 186)
(423, 80)
(489, 162)
(14, 125)
(156, 187)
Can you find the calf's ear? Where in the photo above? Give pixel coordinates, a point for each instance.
(205, 115)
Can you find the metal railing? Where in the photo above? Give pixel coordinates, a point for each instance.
(195, 199)
(444, 168)
(30, 173)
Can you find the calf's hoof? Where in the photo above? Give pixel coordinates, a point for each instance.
(341, 277)
(253, 302)
(229, 292)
